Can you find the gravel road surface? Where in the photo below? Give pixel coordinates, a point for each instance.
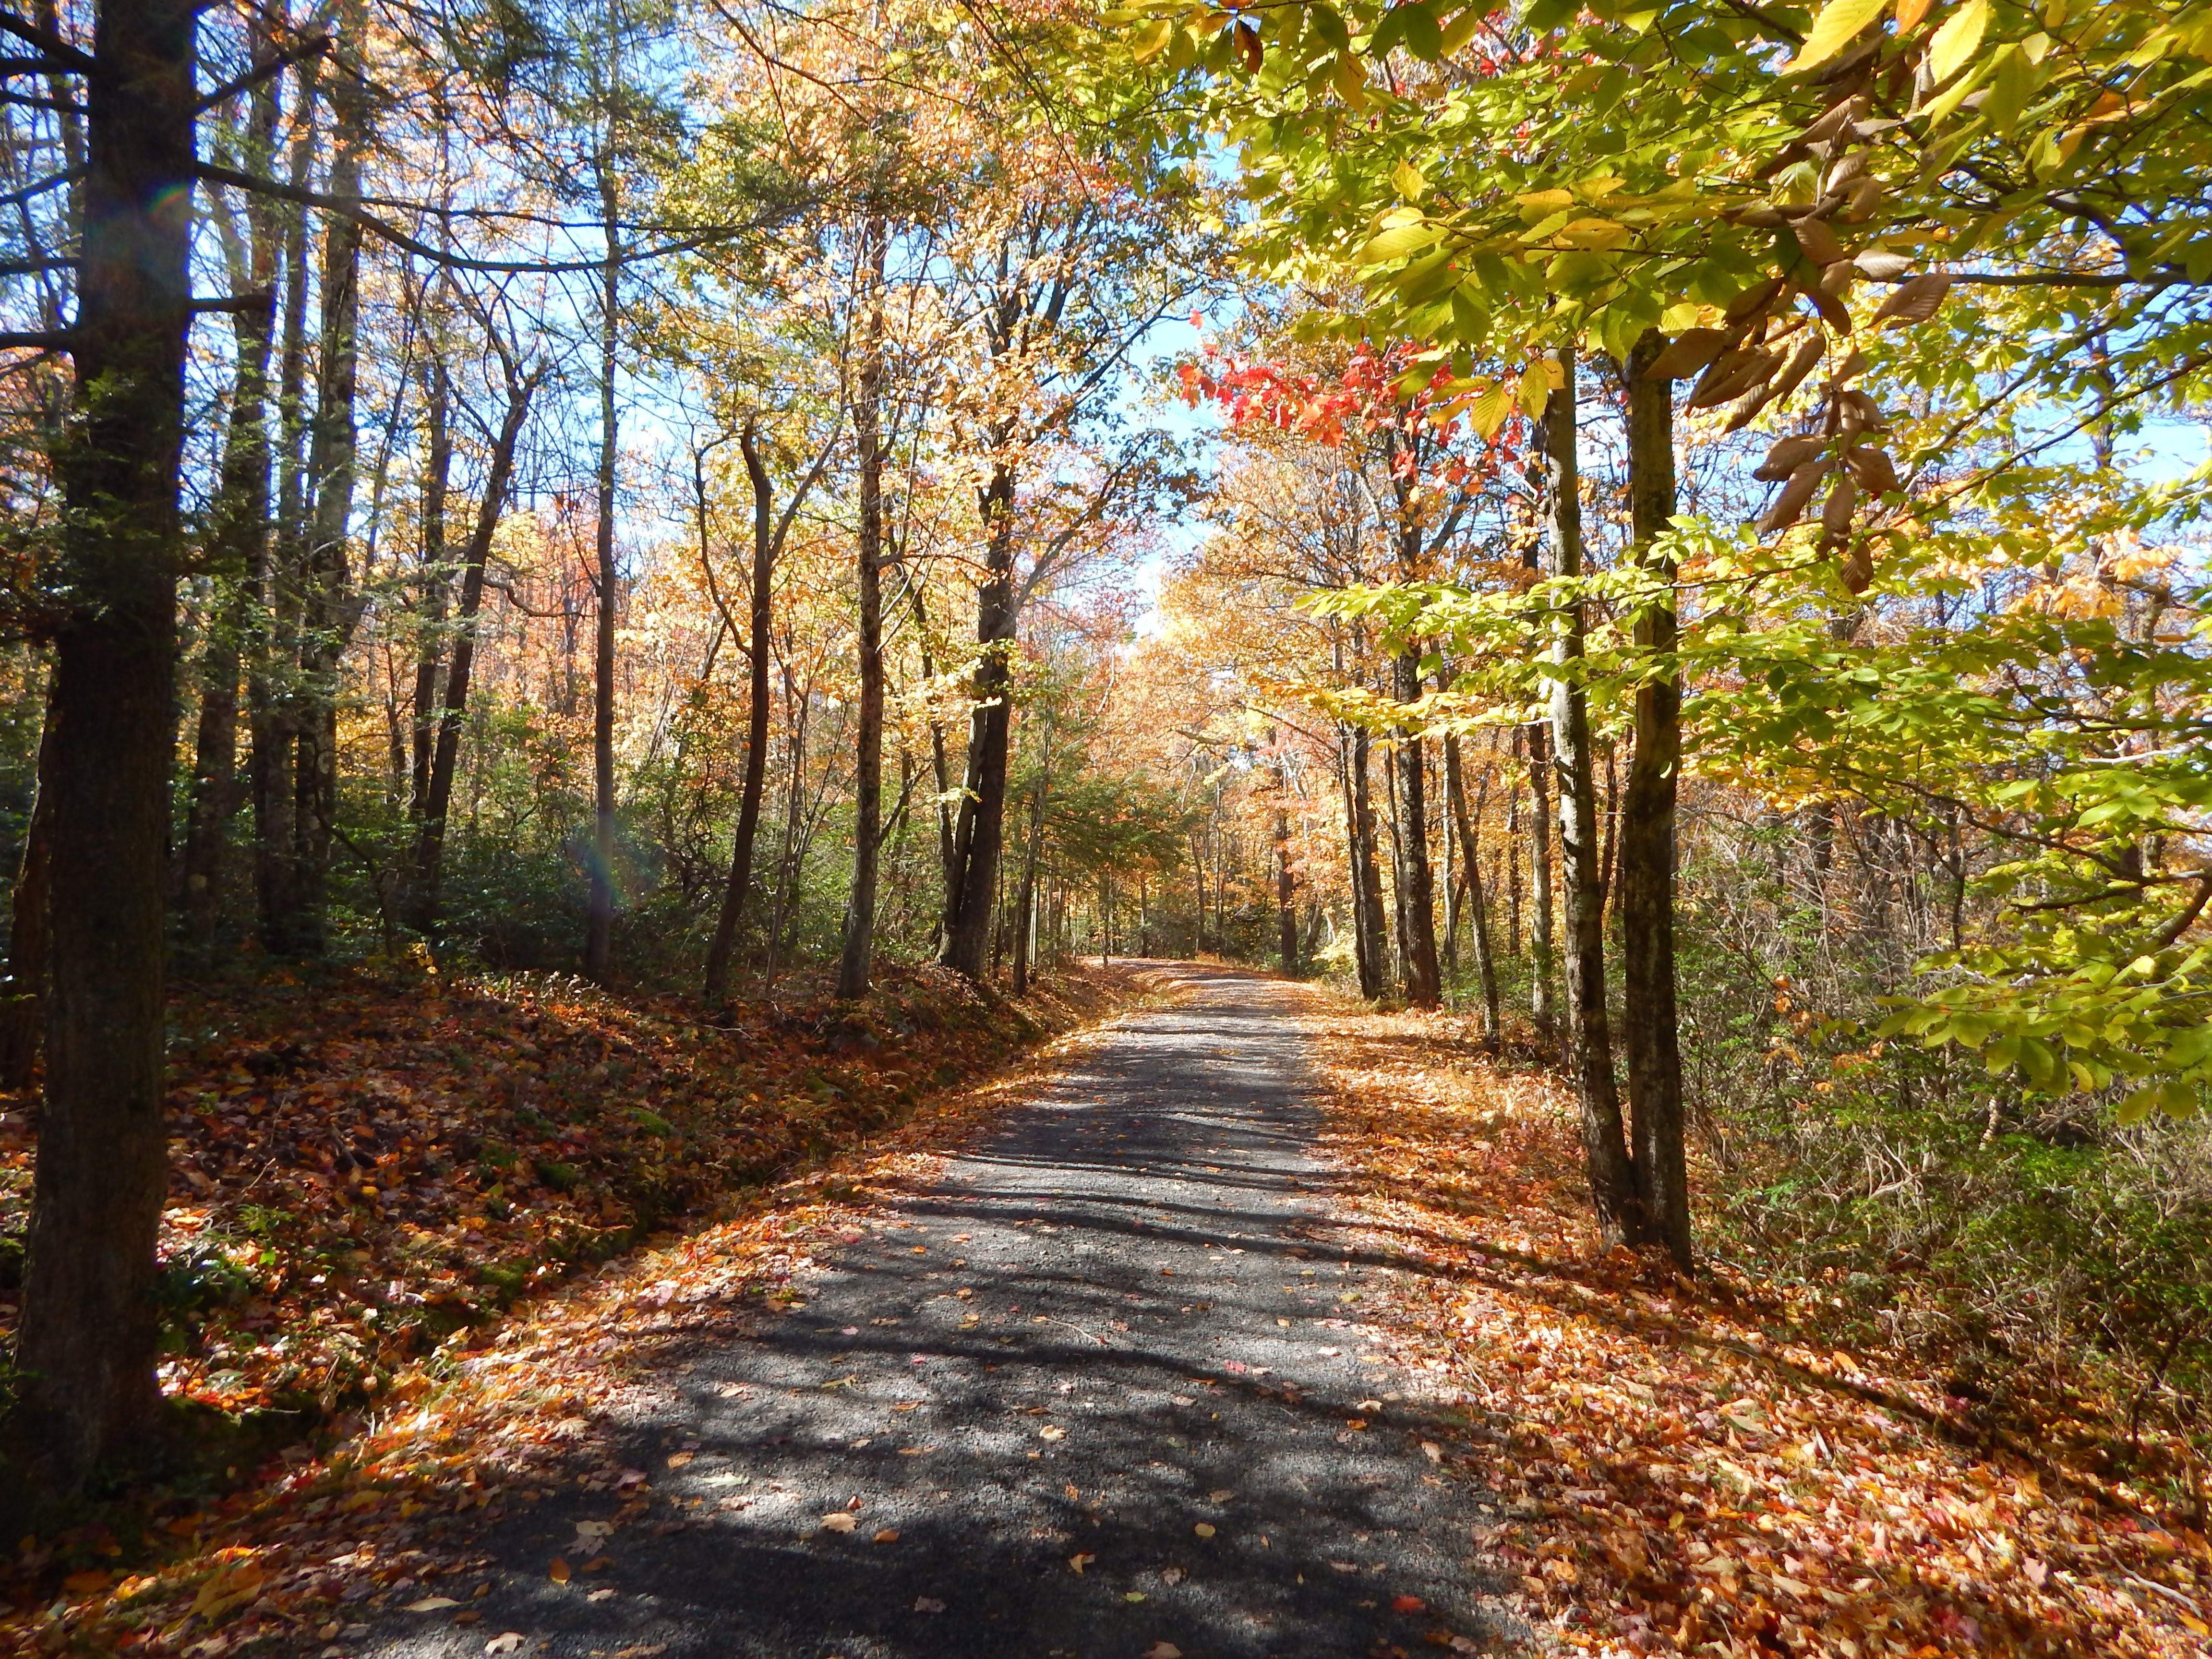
(1101, 1393)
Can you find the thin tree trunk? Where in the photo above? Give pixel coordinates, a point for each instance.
(759, 624)
(428, 872)
(1286, 915)
(1416, 887)
(1366, 878)
(1025, 905)
(1470, 856)
(272, 680)
(600, 913)
(332, 458)
(90, 1329)
(1542, 952)
(1613, 1187)
(436, 582)
(1646, 843)
(868, 764)
(239, 535)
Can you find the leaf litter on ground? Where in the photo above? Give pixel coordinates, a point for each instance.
(1693, 1466)
(439, 1435)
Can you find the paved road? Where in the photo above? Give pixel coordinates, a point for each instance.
(1116, 1335)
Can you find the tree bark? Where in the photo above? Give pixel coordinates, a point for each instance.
(1366, 878)
(1543, 954)
(1416, 885)
(759, 623)
(436, 583)
(332, 457)
(90, 1330)
(1025, 906)
(428, 863)
(868, 762)
(1470, 854)
(1646, 840)
(599, 911)
(1612, 1189)
(979, 835)
(238, 539)
(1286, 913)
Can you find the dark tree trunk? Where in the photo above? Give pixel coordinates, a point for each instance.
(437, 582)
(758, 625)
(428, 865)
(1286, 912)
(1612, 1189)
(1646, 846)
(90, 1327)
(868, 762)
(1366, 876)
(979, 835)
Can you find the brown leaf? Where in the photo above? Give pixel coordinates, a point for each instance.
(1790, 503)
(1915, 301)
(559, 1572)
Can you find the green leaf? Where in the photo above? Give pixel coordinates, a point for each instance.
(1840, 23)
(1150, 40)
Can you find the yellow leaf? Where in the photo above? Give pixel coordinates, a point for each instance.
(1152, 40)
(1487, 410)
(1839, 24)
(1601, 233)
(1539, 205)
(1409, 181)
(1909, 14)
(1955, 42)
(1351, 80)
(1535, 389)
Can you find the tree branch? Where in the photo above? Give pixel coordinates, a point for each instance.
(276, 64)
(69, 59)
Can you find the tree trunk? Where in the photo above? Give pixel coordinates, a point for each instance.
(238, 537)
(1612, 1180)
(428, 872)
(1366, 878)
(868, 763)
(1542, 952)
(980, 832)
(1417, 903)
(436, 582)
(1025, 906)
(1286, 913)
(332, 453)
(759, 626)
(272, 680)
(90, 1326)
(1646, 843)
(599, 911)
(1470, 856)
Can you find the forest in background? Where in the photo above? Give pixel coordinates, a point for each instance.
(1677, 533)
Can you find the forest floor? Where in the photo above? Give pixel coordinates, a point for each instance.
(1256, 1324)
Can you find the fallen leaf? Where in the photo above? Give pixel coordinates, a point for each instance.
(838, 1520)
(1164, 1650)
(678, 1459)
(1079, 1561)
(1408, 1604)
(606, 1594)
(1219, 1495)
(87, 1583)
(1133, 1595)
(506, 1642)
(642, 1650)
(927, 1604)
(1051, 1431)
(1171, 1575)
(1204, 1530)
(559, 1572)
(432, 1604)
(1432, 1451)
(888, 1535)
